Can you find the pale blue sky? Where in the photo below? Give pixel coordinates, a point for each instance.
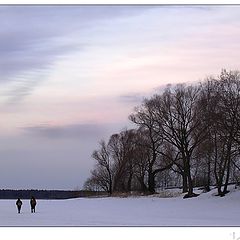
(71, 75)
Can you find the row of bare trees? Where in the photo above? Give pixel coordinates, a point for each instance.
(187, 133)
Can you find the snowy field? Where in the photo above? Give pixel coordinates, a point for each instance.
(205, 210)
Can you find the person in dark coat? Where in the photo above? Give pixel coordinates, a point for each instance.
(19, 204)
(33, 204)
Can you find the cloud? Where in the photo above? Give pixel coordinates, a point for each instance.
(82, 131)
(137, 98)
(132, 98)
(33, 38)
(99, 63)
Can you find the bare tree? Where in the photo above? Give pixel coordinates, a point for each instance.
(177, 116)
(103, 172)
(140, 159)
(186, 132)
(153, 141)
(222, 117)
(92, 184)
(121, 147)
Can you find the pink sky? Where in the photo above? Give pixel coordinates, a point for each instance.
(67, 70)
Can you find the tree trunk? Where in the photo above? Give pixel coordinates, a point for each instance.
(219, 188)
(190, 183)
(189, 177)
(185, 183)
(219, 181)
(228, 166)
(110, 188)
(207, 187)
(225, 191)
(218, 178)
(142, 184)
(151, 182)
(129, 183)
(110, 182)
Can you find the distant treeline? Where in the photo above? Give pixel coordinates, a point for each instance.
(47, 194)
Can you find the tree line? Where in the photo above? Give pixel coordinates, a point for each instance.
(47, 194)
(186, 135)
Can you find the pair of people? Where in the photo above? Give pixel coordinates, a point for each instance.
(33, 204)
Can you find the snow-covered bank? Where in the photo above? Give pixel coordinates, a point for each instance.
(205, 210)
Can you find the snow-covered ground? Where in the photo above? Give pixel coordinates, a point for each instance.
(205, 210)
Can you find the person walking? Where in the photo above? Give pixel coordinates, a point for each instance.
(19, 204)
(33, 204)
